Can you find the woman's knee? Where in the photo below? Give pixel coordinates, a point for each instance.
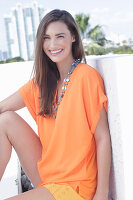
(6, 118)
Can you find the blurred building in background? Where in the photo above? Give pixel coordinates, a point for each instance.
(21, 26)
(3, 55)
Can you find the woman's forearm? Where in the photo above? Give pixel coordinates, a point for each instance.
(103, 164)
(12, 103)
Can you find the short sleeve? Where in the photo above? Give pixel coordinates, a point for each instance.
(27, 94)
(94, 97)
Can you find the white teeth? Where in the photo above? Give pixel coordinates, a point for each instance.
(56, 51)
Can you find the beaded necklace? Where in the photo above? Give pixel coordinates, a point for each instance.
(64, 87)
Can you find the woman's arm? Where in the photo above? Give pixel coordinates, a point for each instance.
(102, 138)
(12, 103)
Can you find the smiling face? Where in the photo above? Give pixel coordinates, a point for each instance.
(57, 43)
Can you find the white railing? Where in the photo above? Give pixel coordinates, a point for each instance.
(117, 73)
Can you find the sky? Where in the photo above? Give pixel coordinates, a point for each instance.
(116, 16)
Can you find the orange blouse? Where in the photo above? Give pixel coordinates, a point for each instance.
(68, 144)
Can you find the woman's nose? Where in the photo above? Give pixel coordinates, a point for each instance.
(53, 43)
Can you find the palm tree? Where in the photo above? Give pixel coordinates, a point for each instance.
(83, 22)
(97, 35)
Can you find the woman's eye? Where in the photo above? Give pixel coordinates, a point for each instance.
(60, 36)
(46, 38)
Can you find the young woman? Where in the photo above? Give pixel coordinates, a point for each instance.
(70, 159)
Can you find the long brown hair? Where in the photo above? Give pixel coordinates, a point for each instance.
(45, 70)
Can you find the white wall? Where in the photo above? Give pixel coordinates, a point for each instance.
(117, 72)
(13, 76)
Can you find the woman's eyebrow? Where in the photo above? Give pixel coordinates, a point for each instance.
(47, 35)
(60, 34)
(55, 34)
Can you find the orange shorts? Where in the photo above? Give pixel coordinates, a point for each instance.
(63, 192)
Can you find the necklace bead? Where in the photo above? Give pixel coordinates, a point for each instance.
(65, 83)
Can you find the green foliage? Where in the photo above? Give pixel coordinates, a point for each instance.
(97, 35)
(95, 49)
(2, 62)
(130, 42)
(124, 49)
(100, 45)
(15, 59)
(83, 22)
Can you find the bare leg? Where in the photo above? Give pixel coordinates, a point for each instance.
(35, 194)
(14, 131)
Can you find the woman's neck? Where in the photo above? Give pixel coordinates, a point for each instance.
(64, 68)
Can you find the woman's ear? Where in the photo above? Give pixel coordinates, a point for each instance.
(73, 38)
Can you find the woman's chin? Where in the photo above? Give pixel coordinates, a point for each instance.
(56, 60)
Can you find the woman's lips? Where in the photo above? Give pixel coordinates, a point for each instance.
(55, 52)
